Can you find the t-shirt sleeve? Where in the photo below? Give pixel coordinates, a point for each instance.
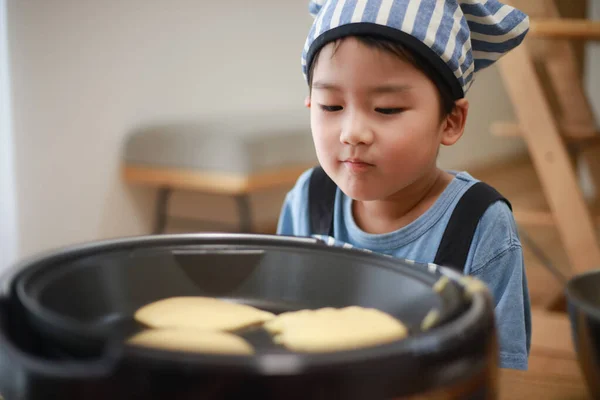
(293, 219)
(498, 261)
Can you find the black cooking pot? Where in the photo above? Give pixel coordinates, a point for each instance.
(583, 296)
(64, 318)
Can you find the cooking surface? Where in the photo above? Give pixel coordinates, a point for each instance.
(100, 292)
(72, 301)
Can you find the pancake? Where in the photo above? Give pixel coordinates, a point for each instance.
(202, 313)
(329, 329)
(190, 340)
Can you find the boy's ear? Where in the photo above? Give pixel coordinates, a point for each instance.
(307, 102)
(454, 125)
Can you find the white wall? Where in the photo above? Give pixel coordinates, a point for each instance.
(86, 72)
(488, 103)
(8, 217)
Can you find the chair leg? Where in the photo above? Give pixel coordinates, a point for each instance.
(245, 213)
(162, 202)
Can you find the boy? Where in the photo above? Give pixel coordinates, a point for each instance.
(387, 81)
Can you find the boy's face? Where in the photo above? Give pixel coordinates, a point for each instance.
(375, 120)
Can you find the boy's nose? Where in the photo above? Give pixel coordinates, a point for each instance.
(356, 132)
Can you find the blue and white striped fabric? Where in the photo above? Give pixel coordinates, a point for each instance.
(467, 35)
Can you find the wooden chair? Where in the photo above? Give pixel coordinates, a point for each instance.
(544, 82)
(232, 157)
(240, 186)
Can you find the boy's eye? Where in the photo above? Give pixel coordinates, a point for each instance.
(388, 111)
(331, 108)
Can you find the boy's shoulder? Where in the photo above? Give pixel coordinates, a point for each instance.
(499, 212)
(496, 230)
(496, 234)
(499, 209)
(298, 195)
(302, 183)
(498, 215)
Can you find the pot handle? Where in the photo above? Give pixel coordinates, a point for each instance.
(20, 369)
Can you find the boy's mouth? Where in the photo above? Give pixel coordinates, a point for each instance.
(356, 164)
(356, 161)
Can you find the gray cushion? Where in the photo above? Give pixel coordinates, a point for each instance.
(241, 145)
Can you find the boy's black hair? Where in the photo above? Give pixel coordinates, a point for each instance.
(445, 93)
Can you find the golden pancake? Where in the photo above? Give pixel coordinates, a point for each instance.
(329, 329)
(190, 340)
(204, 313)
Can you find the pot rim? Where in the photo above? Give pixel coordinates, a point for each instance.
(476, 318)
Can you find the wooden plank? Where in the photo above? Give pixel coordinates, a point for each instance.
(565, 72)
(551, 160)
(554, 372)
(562, 62)
(574, 9)
(211, 182)
(550, 376)
(574, 134)
(552, 334)
(539, 218)
(549, 8)
(518, 385)
(533, 217)
(566, 80)
(565, 28)
(553, 364)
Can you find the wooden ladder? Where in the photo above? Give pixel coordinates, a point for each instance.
(544, 82)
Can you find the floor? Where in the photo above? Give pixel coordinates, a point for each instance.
(553, 371)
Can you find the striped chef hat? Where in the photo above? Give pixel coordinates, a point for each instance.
(457, 37)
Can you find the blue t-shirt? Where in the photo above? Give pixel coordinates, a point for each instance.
(495, 256)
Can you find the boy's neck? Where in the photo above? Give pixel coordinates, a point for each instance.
(404, 207)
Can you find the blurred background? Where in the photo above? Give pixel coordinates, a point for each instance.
(78, 78)
(132, 117)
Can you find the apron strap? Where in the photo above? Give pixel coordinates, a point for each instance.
(456, 240)
(321, 199)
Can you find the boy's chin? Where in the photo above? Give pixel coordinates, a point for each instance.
(361, 194)
(358, 189)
